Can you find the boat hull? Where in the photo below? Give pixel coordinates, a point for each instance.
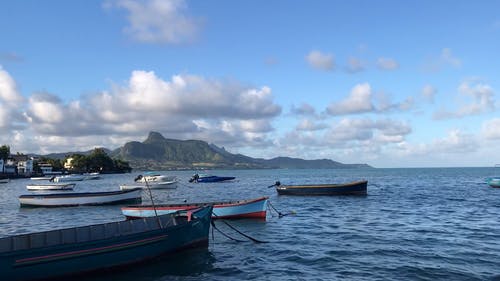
(156, 185)
(494, 182)
(54, 186)
(253, 208)
(213, 179)
(66, 252)
(69, 178)
(353, 188)
(76, 199)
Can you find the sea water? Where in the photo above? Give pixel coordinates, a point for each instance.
(414, 224)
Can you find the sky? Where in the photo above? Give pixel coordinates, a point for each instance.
(387, 83)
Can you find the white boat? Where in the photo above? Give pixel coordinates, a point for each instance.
(46, 178)
(67, 178)
(251, 208)
(153, 185)
(83, 198)
(154, 178)
(92, 176)
(50, 186)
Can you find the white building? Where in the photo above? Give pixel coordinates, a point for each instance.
(25, 167)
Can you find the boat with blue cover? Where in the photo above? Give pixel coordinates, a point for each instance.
(64, 253)
(208, 178)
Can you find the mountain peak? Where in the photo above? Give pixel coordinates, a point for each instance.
(154, 137)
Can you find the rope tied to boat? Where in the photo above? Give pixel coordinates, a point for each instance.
(280, 214)
(235, 229)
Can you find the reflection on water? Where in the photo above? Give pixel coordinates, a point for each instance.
(182, 265)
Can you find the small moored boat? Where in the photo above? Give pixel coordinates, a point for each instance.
(50, 186)
(83, 198)
(494, 182)
(64, 253)
(154, 178)
(208, 178)
(252, 208)
(6, 180)
(67, 178)
(352, 188)
(153, 185)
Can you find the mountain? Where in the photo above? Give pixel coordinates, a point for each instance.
(160, 153)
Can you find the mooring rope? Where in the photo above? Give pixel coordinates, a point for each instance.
(224, 234)
(238, 231)
(280, 214)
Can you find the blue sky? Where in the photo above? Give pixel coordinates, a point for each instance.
(388, 83)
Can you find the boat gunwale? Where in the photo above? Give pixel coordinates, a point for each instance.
(222, 204)
(305, 186)
(79, 194)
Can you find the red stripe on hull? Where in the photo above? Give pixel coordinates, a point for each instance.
(254, 215)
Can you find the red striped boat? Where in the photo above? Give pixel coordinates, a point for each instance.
(251, 208)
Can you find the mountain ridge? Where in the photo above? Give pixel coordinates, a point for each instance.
(160, 153)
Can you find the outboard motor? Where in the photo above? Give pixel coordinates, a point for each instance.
(139, 177)
(194, 178)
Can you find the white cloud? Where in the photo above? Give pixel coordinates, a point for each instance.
(387, 64)
(309, 125)
(358, 101)
(187, 106)
(490, 129)
(303, 109)
(429, 92)
(158, 21)
(445, 59)
(10, 104)
(479, 99)
(321, 61)
(8, 89)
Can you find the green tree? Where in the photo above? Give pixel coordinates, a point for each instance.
(80, 162)
(99, 160)
(4, 152)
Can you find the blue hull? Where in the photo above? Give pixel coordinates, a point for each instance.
(92, 248)
(215, 179)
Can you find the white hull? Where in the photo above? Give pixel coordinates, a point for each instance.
(53, 186)
(75, 199)
(157, 185)
(156, 179)
(69, 178)
(40, 178)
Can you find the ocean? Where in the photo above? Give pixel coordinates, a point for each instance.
(414, 224)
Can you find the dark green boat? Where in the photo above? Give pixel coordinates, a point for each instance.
(88, 249)
(351, 188)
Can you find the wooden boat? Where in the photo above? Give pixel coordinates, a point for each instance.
(64, 253)
(154, 185)
(50, 186)
(352, 188)
(208, 178)
(253, 208)
(494, 182)
(83, 198)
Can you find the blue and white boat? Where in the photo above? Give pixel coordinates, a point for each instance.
(208, 178)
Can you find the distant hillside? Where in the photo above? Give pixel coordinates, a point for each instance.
(63, 155)
(159, 153)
